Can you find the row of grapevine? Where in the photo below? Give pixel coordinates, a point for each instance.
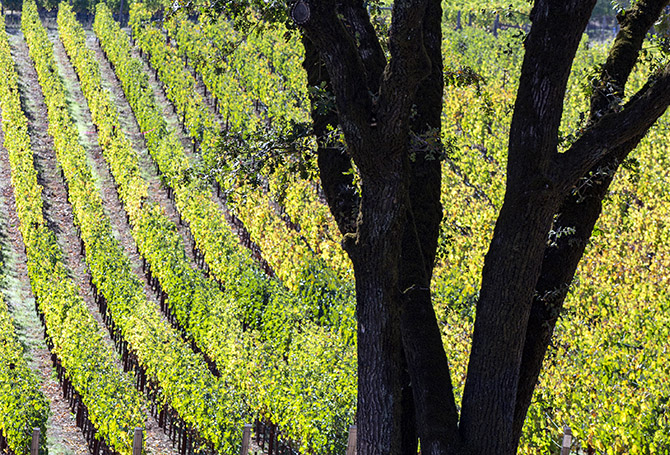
(180, 377)
(233, 101)
(178, 83)
(197, 302)
(268, 68)
(289, 352)
(299, 268)
(22, 404)
(72, 332)
(194, 202)
(264, 65)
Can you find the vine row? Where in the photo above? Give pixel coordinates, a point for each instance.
(279, 331)
(266, 68)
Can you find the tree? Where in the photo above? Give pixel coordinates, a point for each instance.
(388, 106)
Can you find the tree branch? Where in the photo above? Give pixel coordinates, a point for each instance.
(408, 66)
(615, 129)
(513, 262)
(579, 213)
(357, 20)
(360, 117)
(334, 163)
(437, 415)
(551, 46)
(621, 59)
(339, 53)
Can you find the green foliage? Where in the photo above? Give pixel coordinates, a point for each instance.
(203, 401)
(22, 404)
(295, 362)
(482, 13)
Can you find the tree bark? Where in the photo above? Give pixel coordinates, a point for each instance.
(334, 162)
(375, 257)
(376, 128)
(511, 266)
(579, 211)
(387, 111)
(344, 202)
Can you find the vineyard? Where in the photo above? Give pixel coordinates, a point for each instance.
(153, 277)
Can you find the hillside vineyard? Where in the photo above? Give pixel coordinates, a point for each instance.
(212, 292)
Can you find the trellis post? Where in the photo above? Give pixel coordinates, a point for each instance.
(246, 439)
(567, 441)
(351, 444)
(35, 445)
(137, 442)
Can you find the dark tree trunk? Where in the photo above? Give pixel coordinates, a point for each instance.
(514, 259)
(391, 406)
(387, 110)
(373, 227)
(375, 255)
(511, 265)
(379, 352)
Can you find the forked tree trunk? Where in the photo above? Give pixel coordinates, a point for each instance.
(390, 231)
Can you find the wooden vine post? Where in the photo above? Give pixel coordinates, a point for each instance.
(351, 443)
(246, 439)
(567, 441)
(35, 445)
(496, 25)
(137, 442)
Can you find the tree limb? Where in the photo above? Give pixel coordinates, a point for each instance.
(513, 262)
(551, 46)
(437, 415)
(615, 129)
(334, 163)
(408, 66)
(357, 20)
(581, 209)
(340, 55)
(621, 59)
(579, 213)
